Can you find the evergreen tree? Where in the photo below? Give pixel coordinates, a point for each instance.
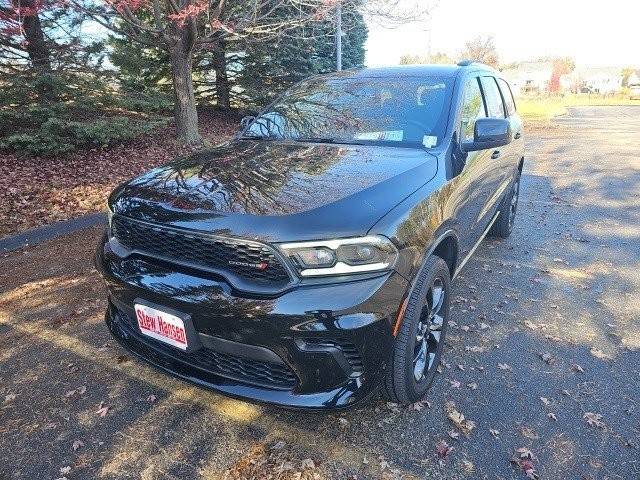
(265, 69)
(245, 72)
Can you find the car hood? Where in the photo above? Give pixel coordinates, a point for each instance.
(277, 191)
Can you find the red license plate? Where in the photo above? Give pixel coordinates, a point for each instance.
(162, 326)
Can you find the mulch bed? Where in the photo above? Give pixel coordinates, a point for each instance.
(36, 191)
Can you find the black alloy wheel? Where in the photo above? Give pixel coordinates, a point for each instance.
(420, 340)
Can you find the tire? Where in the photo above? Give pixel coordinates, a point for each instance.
(403, 384)
(504, 224)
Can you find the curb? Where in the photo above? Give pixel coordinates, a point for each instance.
(48, 232)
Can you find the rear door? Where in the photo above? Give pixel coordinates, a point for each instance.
(516, 148)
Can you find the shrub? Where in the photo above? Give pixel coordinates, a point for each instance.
(52, 115)
(57, 136)
(145, 102)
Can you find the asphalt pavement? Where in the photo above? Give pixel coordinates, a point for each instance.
(542, 360)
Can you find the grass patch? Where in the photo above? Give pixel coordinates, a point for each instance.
(544, 108)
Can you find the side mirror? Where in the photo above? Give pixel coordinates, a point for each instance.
(246, 121)
(489, 133)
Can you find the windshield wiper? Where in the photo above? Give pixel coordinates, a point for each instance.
(315, 139)
(327, 140)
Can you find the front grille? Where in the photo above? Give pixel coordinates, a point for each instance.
(349, 350)
(245, 370)
(218, 254)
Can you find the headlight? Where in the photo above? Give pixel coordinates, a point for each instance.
(343, 256)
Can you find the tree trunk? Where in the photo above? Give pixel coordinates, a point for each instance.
(222, 80)
(186, 116)
(37, 48)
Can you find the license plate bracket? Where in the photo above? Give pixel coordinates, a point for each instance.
(166, 325)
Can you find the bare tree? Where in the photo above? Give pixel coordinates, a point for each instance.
(436, 58)
(481, 49)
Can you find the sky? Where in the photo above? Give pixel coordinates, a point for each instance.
(602, 33)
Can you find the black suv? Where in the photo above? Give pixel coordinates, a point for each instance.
(309, 260)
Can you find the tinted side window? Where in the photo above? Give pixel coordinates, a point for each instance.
(507, 94)
(472, 109)
(492, 96)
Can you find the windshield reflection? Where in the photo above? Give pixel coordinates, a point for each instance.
(391, 112)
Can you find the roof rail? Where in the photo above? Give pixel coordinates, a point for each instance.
(465, 63)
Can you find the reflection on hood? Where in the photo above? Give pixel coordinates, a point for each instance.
(268, 178)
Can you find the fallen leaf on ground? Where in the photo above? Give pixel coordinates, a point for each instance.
(393, 407)
(418, 406)
(468, 466)
(594, 419)
(76, 183)
(343, 422)
(599, 354)
(151, 398)
(10, 397)
(547, 358)
(458, 419)
(472, 386)
(524, 459)
(545, 400)
(494, 432)
(504, 366)
(443, 449)
(528, 432)
(103, 409)
(308, 464)
(475, 349)
(552, 416)
(122, 358)
(77, 444)
(577, 368)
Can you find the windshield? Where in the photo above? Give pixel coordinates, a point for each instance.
(405, 112)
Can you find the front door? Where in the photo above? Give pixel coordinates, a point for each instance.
(498, 175)
(469, 191)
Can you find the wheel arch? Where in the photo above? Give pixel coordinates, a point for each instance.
(448, 249)
(446, 246)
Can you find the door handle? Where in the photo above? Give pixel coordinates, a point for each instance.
(495, 154)
(517, 135)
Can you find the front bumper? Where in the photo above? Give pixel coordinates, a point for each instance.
(315, 346)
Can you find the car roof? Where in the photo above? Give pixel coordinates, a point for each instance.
(408, 71)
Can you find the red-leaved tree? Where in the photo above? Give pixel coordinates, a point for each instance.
(42, 36)
(21, 31)
(561, 66)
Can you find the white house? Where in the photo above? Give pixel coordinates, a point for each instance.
(529, 77)
(603, 80)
